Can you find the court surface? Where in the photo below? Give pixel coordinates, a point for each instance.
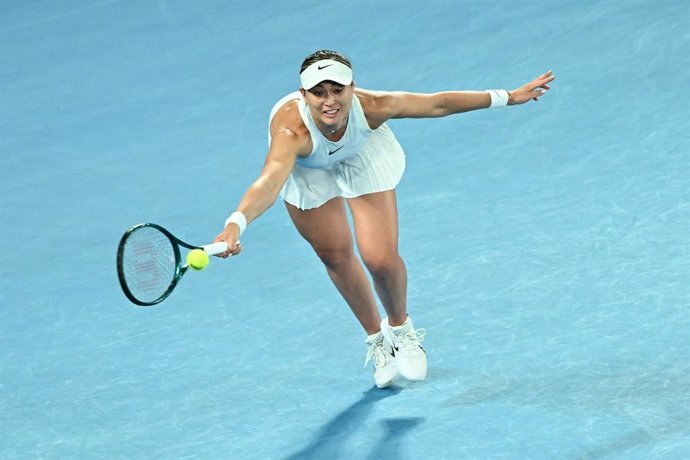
(548, 246)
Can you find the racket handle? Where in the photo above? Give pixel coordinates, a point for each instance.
(215, 248)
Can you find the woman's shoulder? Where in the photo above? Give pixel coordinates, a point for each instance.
(376, 106)
(287, 116)
(367, 96)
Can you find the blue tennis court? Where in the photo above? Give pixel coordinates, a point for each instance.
(547, 245)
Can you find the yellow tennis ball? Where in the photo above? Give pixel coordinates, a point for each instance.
(197, 259)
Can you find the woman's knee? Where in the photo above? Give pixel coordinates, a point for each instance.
(382, 265)
(334, 257)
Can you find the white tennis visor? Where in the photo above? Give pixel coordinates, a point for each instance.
(326, 69)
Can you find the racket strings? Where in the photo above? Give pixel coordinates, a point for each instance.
(148, 264)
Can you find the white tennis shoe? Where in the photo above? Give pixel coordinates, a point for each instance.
(410, 357)
(384, 362)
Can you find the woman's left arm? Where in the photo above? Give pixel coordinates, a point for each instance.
(418, 105)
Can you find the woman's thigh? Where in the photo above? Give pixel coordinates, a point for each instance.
(326, 228)
(375, 219)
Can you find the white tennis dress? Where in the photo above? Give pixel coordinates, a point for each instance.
(363, 161)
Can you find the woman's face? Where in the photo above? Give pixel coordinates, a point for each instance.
(329, 104)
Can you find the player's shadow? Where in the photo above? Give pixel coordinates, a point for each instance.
(391, 444)
(329, 442)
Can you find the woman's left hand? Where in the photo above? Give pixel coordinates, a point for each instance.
(532, 90)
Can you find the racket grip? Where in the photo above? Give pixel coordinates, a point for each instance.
(215, 248)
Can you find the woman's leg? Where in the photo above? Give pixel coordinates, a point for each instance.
(327, 229)
(376, 228)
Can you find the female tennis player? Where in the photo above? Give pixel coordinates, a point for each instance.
(329, 146)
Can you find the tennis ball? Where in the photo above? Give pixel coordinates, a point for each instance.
(197, 259)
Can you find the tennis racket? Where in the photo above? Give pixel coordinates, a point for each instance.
(149, 262)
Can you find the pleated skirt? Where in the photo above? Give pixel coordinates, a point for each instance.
(377, 167)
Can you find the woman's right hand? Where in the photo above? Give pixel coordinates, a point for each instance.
(230, 236)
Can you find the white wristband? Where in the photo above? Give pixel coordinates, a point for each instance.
(239, 219)
(499, 97)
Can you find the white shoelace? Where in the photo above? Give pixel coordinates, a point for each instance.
(411, 341)
(376, 350)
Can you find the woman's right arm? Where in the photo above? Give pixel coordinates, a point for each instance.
(289, 139)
